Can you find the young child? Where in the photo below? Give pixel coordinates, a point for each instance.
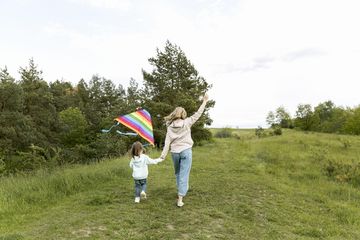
(138, 163)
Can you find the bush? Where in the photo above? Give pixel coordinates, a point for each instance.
(345, 142)
(201, 134)
(343, 171)
(277, 130)
(107, 145)
(78, 154)
(84, 154)
(237, 137)
(260, 132)
(319, 154)
(224, 133)
(23, 161)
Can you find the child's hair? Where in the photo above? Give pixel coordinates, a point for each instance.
(136, 149)
(178, 113)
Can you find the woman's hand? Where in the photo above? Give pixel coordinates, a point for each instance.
(206, 97)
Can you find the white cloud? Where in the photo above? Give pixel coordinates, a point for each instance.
(304, 53)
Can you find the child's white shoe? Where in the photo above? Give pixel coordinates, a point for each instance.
(180, 203)
(143, 195)
(137, 199)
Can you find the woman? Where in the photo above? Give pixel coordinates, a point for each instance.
(178, 140)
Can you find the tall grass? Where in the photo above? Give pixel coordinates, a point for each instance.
(25, 192)
(243, 187)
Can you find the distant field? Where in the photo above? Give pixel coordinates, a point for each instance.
(295, 186)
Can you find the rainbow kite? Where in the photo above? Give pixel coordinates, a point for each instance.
(139, 122)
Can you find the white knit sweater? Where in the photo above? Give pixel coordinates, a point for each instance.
(178, 135)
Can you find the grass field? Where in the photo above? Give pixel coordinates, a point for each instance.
(294, 186)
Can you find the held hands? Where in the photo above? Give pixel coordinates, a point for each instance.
(160, 160)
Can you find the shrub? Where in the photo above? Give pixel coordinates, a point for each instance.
(277, 130)
(201, 134)
(260, 132)
(343, 171)
(224, 133)
(345, 142)
(107, 145)
(319, 154)
(23, 161)
(237, 137)
(84, 154)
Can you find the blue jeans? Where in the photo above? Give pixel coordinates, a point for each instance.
(182, 166)
(140, 185)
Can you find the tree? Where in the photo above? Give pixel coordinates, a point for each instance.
(280, 118)
(173, 82)
(283, 117)
(133, 96)
(16, 129)
(270, 119)
(329, 118)
(352, 125)
(64, 95)
(11, 94)
(338, 120)
(100, 101)
(325, 110)
(304, 116)
(74, 126)
(38, 104)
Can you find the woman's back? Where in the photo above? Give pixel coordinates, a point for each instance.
(178, 134)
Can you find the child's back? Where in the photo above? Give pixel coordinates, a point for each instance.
(139, 166)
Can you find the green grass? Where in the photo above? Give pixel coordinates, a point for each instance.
(240, 188)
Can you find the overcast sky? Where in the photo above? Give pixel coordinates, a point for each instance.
(258, 54)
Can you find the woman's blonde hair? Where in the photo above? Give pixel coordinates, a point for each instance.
(178, 113)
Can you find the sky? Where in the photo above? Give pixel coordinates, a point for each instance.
(257, 54)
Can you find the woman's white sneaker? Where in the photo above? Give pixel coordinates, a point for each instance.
(143, 195)
(137, 199)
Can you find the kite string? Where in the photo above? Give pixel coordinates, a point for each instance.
(108, 130)
(126, 133)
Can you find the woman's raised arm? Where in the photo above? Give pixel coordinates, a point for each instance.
(192, 119)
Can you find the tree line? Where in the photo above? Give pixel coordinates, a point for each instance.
(325, 117)
(50, 124)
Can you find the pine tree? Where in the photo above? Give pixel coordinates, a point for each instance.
(16, 129)
(100, 101)
(64, 95)
(173, 82)
(39, 104)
